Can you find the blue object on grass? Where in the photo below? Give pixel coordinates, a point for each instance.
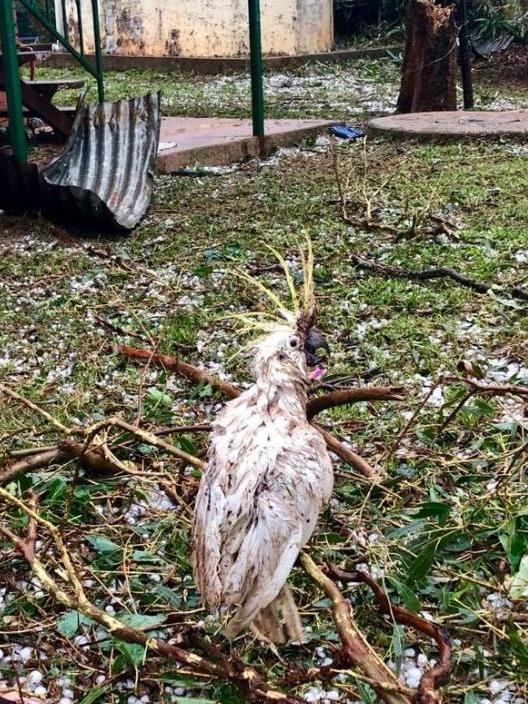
(345, 132)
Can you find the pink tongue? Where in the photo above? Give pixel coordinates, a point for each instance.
(317, 374)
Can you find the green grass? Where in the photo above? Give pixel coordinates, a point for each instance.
(446, 526)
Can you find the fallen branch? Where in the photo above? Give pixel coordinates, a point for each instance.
(314, 406)
(441, 272)
(30, 464)
(94, 458)
(346, 396)
(187, 370)
(346, 454)
(439, 672)
(152, 439)
(33, 406)
(480, 387)
(355, 646)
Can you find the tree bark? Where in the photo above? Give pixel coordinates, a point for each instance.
(429, 72)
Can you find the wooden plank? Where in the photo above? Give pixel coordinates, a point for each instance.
(43, 108)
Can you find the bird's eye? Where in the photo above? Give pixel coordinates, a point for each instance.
(294, 343)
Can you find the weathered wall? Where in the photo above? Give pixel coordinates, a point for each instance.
(205, 27)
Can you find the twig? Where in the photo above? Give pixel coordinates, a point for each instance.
(198, 428)
(26, 402)
(355, 646)
(346, 454)
(153, 440)
(186, 370)
(481, 387)
(94, 458)
(117, 329)
(31, 535)
(31, 464)
(441, 272)
(406, 427)
(345, 396)
(447, 420)
(439, 634)
(142, 384)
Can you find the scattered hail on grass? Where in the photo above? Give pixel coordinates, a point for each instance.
(445, 529)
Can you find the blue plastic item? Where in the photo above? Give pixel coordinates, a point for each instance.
(345, 132)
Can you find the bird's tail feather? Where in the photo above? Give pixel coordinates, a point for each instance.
(268, 626)
(280, 621)
(290, 615)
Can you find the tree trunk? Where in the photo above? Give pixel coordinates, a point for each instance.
(429, 72)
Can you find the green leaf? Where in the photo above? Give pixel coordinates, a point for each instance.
(433, 509)
(513, 542)
(519, 583)
(159, 397)
(408, 597)
(420, 566)
(94, 694)
(144, 556)
(190, 700)
(68, 624)
(102, 544)
(146, 449)
(169, 595)
(176, 679)
(397, 645)
(132, 652)
(518, 646)
(141, 620)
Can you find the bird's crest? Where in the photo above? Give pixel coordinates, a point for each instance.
(298, 312)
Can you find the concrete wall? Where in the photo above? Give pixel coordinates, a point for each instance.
(193, 28)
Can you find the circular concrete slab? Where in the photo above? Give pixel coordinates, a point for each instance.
(455, 124)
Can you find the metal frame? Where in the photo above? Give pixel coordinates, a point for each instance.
(10, 59)
(17, 134)
(97, 70)
(257, 87)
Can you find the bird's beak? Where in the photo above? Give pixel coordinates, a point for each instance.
(315, 342)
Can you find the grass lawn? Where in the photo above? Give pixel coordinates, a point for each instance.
(445, 530)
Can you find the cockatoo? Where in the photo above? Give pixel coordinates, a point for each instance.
(267, 476)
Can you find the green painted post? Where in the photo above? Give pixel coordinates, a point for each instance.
(17, 134)
(257, 87)
(97, 50)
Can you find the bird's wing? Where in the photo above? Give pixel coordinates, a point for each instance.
(234, 468)
(252, 518)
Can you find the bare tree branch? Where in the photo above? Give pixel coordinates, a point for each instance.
(355, 646)
(343, 397)
(441, 272)
(439, 634)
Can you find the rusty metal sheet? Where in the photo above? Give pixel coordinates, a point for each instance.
(105, 175)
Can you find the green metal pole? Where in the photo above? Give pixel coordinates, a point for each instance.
(97, 50)
(17, 134)
(257, 87)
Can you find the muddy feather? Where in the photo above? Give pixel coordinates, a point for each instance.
(267, 476)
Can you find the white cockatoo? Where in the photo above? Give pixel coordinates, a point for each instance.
(267, 476)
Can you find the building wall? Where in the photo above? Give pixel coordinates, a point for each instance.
(193, 28)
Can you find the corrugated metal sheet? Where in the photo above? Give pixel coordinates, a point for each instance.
(103, 178)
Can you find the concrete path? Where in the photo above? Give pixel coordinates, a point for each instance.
(190, 141)
(455, 124)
